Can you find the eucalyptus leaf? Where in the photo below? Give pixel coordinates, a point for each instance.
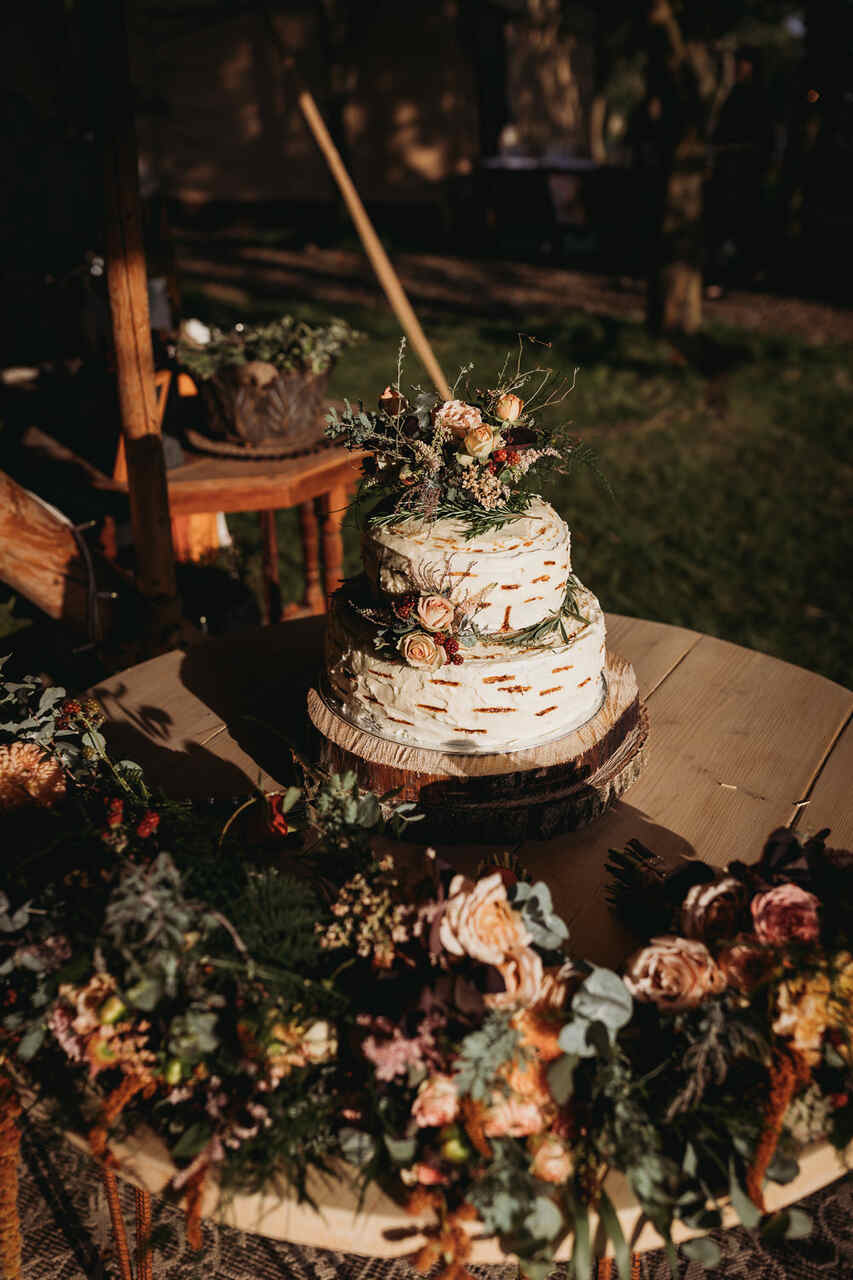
(749, 1215)
(32, 1042)
(544, 1221)
(783, 1168)
(603, 997)
(561, 1078)
(357, 1147)
(799, 1225)
(401, 1150)
(702, 1249)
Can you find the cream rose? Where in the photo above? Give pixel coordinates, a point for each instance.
(420, 650)
(785, 913)
(437, 1102)
(478, 921)
(479, 442)
(435, 613)
(713, 910)
(508, 407)
(457, 417)
(523, 979)
(551, 1160)
(320, 1042)
(674, 973)
(511, 1116)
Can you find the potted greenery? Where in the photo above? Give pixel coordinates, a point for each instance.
(264, 385)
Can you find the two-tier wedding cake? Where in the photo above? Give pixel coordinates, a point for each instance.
(467, 630)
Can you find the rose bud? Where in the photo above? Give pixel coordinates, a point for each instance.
(392, 403)
(508, 407)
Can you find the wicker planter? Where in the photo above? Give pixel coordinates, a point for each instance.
(255, 406)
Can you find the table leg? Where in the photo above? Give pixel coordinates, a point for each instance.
(119, 1233)
(269, 559)
(143, 1235)
(313, 601)
(334, 507)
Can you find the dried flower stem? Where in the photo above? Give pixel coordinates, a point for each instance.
(193, 1199)
(143, 1235)
(112, 1109)
(788, 1072)
(10, 1145)
(119, 1233)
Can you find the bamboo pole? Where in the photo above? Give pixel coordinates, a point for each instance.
(379, 259)
(128, 290)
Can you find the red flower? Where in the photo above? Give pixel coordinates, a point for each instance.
(499, 455)
(277, 821)
(148, 824)
(115, 812)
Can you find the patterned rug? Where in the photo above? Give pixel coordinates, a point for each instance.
(67, 1236)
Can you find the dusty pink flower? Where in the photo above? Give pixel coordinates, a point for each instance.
(28, 775)
(437, 1102)
(435, 613)
(674, 973)
(478, 921)
(512, 1116)
(457, 417)
(428, 1176)
(713, 910)
(785, 913)
(522, 974)
(420, 650)
(551, 1159)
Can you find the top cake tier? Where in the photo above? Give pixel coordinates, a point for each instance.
(518, 572)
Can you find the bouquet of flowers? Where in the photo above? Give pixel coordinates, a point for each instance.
(318, 1003)
(464, 458)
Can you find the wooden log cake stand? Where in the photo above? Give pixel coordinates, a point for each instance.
(514, 796)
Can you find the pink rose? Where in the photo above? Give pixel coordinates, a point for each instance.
(420, 650)
(457, 417)
(437, 1102)
(523, 979)
(511, 1116)
(508, 407)
(435, 613)
(428, 1176)
(551, 1160)
(713, 910)
(479, 442)
(478, 921)
(785, 913)
(674, 973)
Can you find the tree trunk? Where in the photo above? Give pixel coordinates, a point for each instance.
(674, 303)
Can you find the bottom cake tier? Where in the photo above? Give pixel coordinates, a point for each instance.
(502, 696)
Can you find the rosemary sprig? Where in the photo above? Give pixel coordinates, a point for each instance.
(477, 519)
(541, 631)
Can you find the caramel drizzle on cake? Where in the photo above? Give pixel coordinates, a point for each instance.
(532, 599)
(583, 682)
(545, 577)
(545, 710)
(494, 711)
(426, 706)
(384, 674)
(397, 720)
(459, 729)
(496, 679)
(554, 670)
(555, 689)
(455, 683)
(506, 626)
(513, 688)
(511, 586)
(549, 561)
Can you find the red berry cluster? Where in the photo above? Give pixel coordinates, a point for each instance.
(115, 812)
(451, 647)
(513, 457)
(405, 605)
(67, 711)
(148, 824)
(499, 455)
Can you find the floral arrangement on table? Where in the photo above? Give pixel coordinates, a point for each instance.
(271, 1002)
(464, 458)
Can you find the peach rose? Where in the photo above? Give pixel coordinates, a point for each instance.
(510, 1116)
(437, 1102)
(551, 1160)
(508, 407)
(803, 1013)
(785, 913)
(392, 403)
(435, 613)
(478, 921)
(745, 964)
(522, 975)
(556, 981)
(421, 651)
(674, 973)
(479, 442)
(713, 910)
(539, 1029)
(458, 417)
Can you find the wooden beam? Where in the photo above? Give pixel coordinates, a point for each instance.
(128, 290)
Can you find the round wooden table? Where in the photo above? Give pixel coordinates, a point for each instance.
(740, 743)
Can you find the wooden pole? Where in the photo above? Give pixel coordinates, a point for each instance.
(380, 262)
(128, 290)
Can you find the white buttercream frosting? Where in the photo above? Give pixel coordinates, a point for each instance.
(499, 698)
(519, 571)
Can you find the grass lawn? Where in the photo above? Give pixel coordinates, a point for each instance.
(730, 459)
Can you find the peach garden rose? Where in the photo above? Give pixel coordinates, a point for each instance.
(435, 613)
(420, 650)
(785, 913)
(551, 1159)
(508, 407)
(479, 442)
(479, 921)
(523, 979)
(437, 1102)
(673, 973)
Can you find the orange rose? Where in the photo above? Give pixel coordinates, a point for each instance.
(478, 921)
(508, 407)
(551, 1159)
